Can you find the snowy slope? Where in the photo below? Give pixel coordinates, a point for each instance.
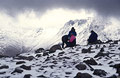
(106, 30)
(15, 40)
(18, 40)
(62, 63)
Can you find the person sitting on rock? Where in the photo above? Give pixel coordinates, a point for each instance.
(72, 41)
(92, 38)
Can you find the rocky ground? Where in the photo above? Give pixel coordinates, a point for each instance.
(82, 61)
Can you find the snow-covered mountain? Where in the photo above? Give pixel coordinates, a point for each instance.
(18, 40)
(106, 30)
(15, 41)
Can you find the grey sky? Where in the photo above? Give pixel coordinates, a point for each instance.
(103, 7)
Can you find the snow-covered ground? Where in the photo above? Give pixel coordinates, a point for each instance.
(62, 63)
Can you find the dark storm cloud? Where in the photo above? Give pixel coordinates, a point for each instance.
(103, 7)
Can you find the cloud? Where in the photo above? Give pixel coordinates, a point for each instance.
(102, 7)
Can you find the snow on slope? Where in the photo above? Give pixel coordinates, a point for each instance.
(62, 63)
(106, 29)
(25, 40)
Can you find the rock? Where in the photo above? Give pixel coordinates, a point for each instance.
(115, 42)
(68, 73)
(17, 70)
(2, 72)
(25, 67)
(83, 75)
(117, 67)
(99, 72)
(27, 75)
(54, 62)
(39, 50)
(110, 62)
(119, 48)
(101, 54)
(38, 55)
(102, 49)
(54, 48)
(108, 41)
(65, 57)
(4, 67)
(52, 66)
(81, 66)
(45, 53)
(61, 53)
(25, 57)
(91, 62)
(20, 62)
(41, 76)
(86, 50)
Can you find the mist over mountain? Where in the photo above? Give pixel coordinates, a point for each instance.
(18, 40)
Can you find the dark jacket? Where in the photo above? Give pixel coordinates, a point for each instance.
(93, 37)
(73, 32)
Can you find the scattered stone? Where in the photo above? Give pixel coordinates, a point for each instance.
(81, 66)
(51, 66)
(2, 72)
(108, 41)
(91, 62)
(119, 48)
(54, 48)
(20, 62)
(4, 67)
(102, 49)
(101, 54)
(99, 72)
(66, 57)
(86, 50)
(45, 53)
(111, 45)
(55, 62)
(61, 53)
(116, 42)
(110, 62)
(38, 55)
(17, 70)
(47, 59)
(27, 75)
(117, 66)
(41, 76)
(25, 57)
(39, 50)
(25, 67)
(83, 75)
(68, 73)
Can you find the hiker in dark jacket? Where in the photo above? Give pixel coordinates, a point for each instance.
(92, 38)
(72, 31)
